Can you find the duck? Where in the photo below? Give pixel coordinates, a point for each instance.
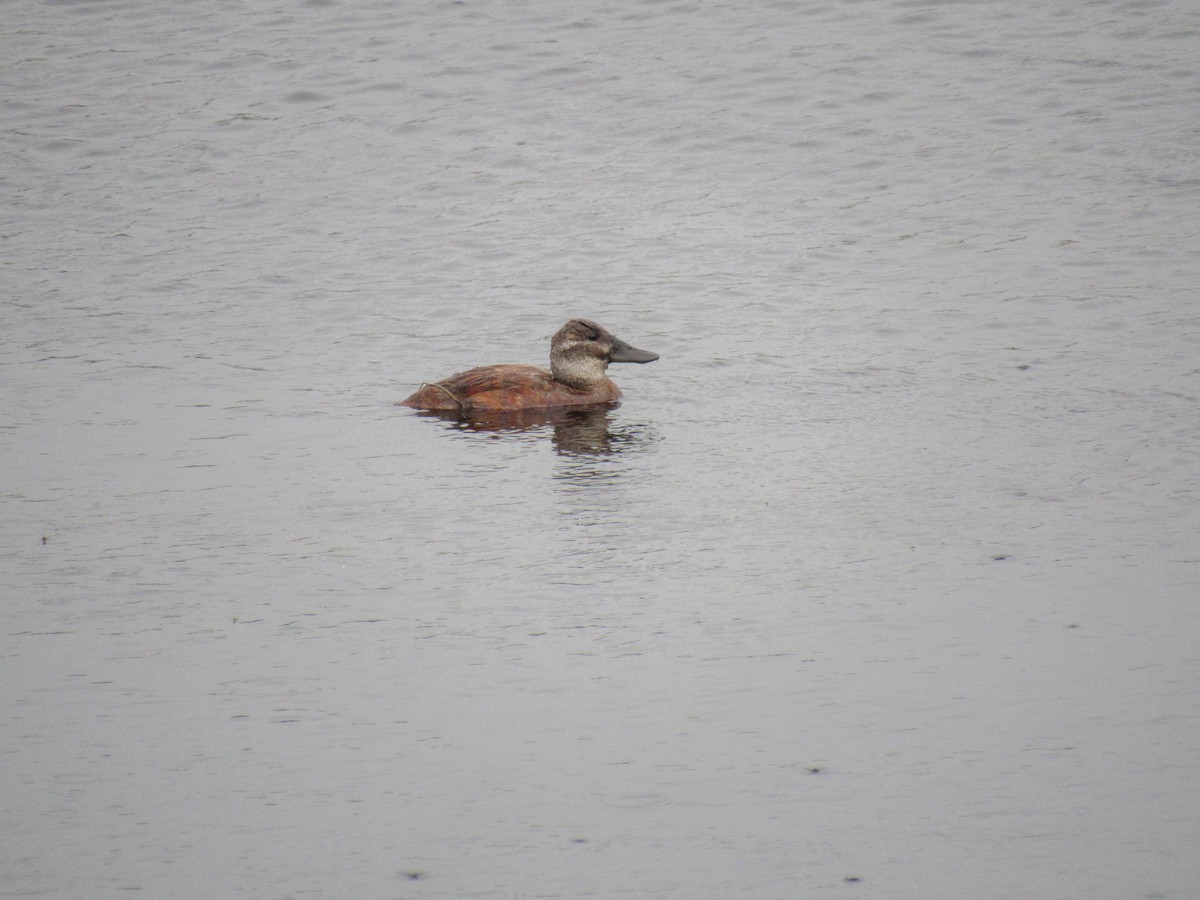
(580, 352)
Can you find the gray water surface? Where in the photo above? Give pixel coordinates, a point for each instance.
(881, 583)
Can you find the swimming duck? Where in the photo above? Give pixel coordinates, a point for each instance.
(579, 356)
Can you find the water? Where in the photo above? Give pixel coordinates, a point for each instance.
(880, 583)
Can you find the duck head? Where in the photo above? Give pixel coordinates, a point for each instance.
(581, 351)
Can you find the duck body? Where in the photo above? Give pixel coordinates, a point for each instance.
(505, 387)
(579, 356)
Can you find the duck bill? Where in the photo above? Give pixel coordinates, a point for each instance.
(622, 352)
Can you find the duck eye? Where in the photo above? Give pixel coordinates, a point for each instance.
(592, 336)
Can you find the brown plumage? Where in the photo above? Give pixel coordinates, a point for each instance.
(579, 356)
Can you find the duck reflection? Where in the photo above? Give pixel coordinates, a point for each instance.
(574, 430)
